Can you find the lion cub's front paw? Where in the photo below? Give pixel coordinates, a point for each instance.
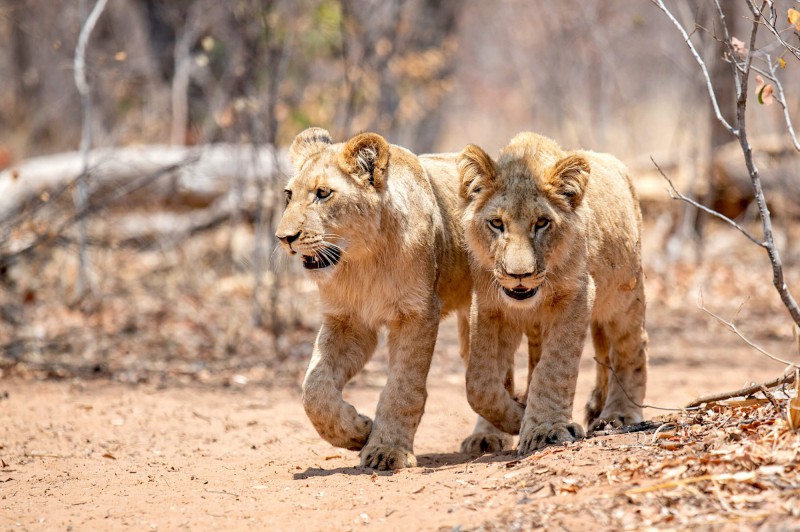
(486, 442)
(387, 457)
(534, 436)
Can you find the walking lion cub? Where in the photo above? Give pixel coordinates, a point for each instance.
(378, 230)
(555, 244)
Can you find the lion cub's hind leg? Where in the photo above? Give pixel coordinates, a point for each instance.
(486, 438)
(597, 399)
(628, 357)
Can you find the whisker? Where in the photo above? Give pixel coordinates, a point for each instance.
(326, 254)
(331, 245)
(333, 235)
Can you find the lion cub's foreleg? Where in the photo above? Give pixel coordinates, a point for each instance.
(411, 341)
(485, 437)
(342, 348)
(490, 366)
(551, 392)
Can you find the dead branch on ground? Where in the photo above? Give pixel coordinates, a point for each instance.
(787, 378)
(93, 205)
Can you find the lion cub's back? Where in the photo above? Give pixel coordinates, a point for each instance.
(614, 222)
(455, 281)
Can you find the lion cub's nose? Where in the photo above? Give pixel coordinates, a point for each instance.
(288, 239)
(520, 275)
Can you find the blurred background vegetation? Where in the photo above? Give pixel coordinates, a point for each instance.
(431, 75)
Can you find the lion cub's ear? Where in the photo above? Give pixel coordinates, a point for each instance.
(566, 182)
(366, 158)
(477, 171)
(307, 143)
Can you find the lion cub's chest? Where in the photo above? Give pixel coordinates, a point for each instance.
(376, 297)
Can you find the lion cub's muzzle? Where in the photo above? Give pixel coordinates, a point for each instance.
(323, 257)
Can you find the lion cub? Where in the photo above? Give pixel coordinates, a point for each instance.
(378, 229)
(555, 244)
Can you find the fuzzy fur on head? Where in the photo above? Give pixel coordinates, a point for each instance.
(520, 214)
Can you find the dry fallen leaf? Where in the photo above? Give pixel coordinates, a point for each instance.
(794, 18)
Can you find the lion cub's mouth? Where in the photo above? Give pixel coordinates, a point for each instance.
(328, 256)
(520, 292)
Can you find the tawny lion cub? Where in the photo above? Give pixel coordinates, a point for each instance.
(378, 229)
(555, 245)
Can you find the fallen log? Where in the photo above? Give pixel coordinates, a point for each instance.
(206, 172)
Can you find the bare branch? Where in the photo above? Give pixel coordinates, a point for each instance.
(769, 23)
(778, 279)
(732, 327)
(83, 41)
(696, 54)
(81, 193)
(675, 194)
(787, 378)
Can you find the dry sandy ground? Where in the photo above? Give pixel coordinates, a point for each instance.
(97, 455)
(184, 452)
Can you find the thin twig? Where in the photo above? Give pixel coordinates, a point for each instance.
(709, 86)
(732, 327)
(675, 194)
(782, 101)
(664, 427)
(621, 387)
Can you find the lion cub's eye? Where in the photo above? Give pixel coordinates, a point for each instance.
(323, 193)
(541, 223)
(288, 194)
(496, 224)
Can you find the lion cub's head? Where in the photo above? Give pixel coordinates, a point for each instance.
(332, 203)
(522, 218)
